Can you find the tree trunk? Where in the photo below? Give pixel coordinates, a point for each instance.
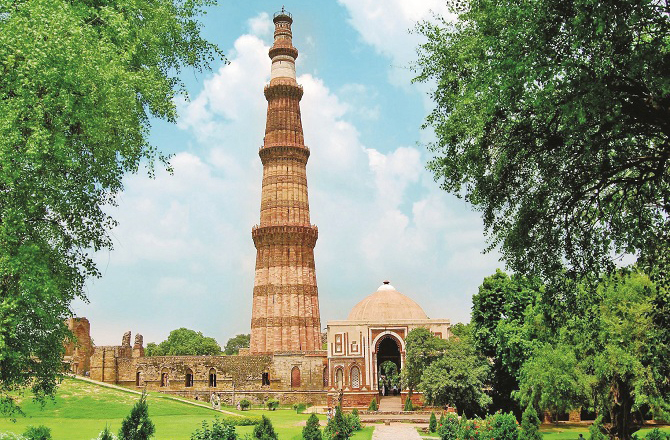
(623, 423)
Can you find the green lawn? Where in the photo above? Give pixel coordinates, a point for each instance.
(567, 432)
(81, 410)
(571, 432)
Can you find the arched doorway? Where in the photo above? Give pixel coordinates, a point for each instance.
(388, 356)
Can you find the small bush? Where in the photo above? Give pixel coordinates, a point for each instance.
(354, 420)
(656, 434)
(137, 426)
(504, 426)
(220, 431)
(408, 405)
(338, 427)
(530, 425)
(106, 434)
(432, 424)
(373, 405)
(299, 407)
(449, 427)
(272, 404)
(264, 430)
(244, 404)
(312, 431)
(37, 433)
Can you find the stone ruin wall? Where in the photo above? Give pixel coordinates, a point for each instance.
(237, 377)
(78, 351)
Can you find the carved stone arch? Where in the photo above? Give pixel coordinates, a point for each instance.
(165, 377)
(188, 378)
(355, 376)
(295, 377)
(212, 377)
(139, 377)
(339, 378)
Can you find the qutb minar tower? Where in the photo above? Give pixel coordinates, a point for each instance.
(285, 313)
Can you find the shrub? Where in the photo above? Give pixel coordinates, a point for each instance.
(244, 404)
(137, 426)
(240, 421)
(299, 407)
(449, 427)
(432, 424)
(264, 430)
(373, 405)
(354, 420)
(338, 428)
(312, 431)
(596, 431)
(408, 405)
(504, 426)
(37, 433)
(272, 404)
(656, 434)
(220, 431)
(106, 434)
(530, 425)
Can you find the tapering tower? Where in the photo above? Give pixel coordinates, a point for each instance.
(285, 313)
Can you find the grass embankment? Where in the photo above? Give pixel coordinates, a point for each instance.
(81, 410)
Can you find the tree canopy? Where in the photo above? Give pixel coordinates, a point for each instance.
(184, 342)
(458, 376)
(234, 344)
(421, 349)
(552, 118)
(79, 82)
(500, 332)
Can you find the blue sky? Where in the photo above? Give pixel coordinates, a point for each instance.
(183, 253)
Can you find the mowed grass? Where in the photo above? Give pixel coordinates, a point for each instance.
(81, 410)
(564, 431)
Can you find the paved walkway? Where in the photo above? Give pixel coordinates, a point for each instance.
(395, 432)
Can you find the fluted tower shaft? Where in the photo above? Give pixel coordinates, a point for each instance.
(285, 313)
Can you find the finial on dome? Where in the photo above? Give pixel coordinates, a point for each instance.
(386, 286)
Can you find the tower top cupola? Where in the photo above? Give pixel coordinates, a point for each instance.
(282, 52)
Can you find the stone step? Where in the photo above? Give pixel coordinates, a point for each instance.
(390, 404)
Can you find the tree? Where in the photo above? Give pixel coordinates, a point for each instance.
(79, 84)
(312, 431)
(234, 344)
(551, 381)
(457, 378)
(138, 425)
(500, 331)
(421, 348)
(183, 342)
(607, 354)
(551, 118)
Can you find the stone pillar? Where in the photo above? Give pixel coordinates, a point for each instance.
(285, 312)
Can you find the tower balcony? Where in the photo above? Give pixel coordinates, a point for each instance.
(305, 235)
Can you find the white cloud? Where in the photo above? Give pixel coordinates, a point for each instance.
(261, 25)
(386, 26)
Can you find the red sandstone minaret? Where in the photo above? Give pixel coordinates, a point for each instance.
(285, 313)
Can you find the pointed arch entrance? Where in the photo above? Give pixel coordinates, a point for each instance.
(388, 349)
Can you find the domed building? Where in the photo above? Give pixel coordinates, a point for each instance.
(374, 333)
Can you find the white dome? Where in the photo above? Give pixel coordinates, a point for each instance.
(386, 304)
